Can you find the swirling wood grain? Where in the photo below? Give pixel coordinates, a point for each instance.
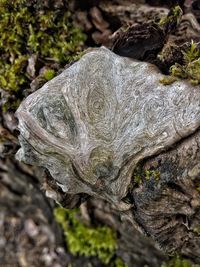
(91, 125)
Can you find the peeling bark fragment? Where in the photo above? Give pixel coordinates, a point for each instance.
(94, 123)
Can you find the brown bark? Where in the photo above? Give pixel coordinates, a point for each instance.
(170, 211)
(30, 236)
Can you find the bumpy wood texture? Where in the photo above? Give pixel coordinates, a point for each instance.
(94, 123)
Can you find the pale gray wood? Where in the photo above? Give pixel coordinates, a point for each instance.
(93, 123)
(97, 121)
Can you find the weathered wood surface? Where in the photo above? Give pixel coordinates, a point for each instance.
(27, 225)
(92, 125)
(29, 235)
(99, 19)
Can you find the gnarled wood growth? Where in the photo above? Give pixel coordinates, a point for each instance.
(99, 121)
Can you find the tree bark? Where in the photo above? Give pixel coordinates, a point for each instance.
(165, 212)
(157, 194)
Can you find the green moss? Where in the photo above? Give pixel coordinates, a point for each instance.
(84, 240)
(197, 229)
(191, 54)
(198, 188)
(167, 80)
(25, 30)
(12, 75)
(175, 15)
(154, 174)
(177, 261)
(137, 176)
(49, 74)
(119, 263)
(13, 105)
(140, 175)
(189, 70)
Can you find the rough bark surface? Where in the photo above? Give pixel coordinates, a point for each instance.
(169, 210)
(100, 19)
(96, 122)
(27, 227)
(135, 248)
